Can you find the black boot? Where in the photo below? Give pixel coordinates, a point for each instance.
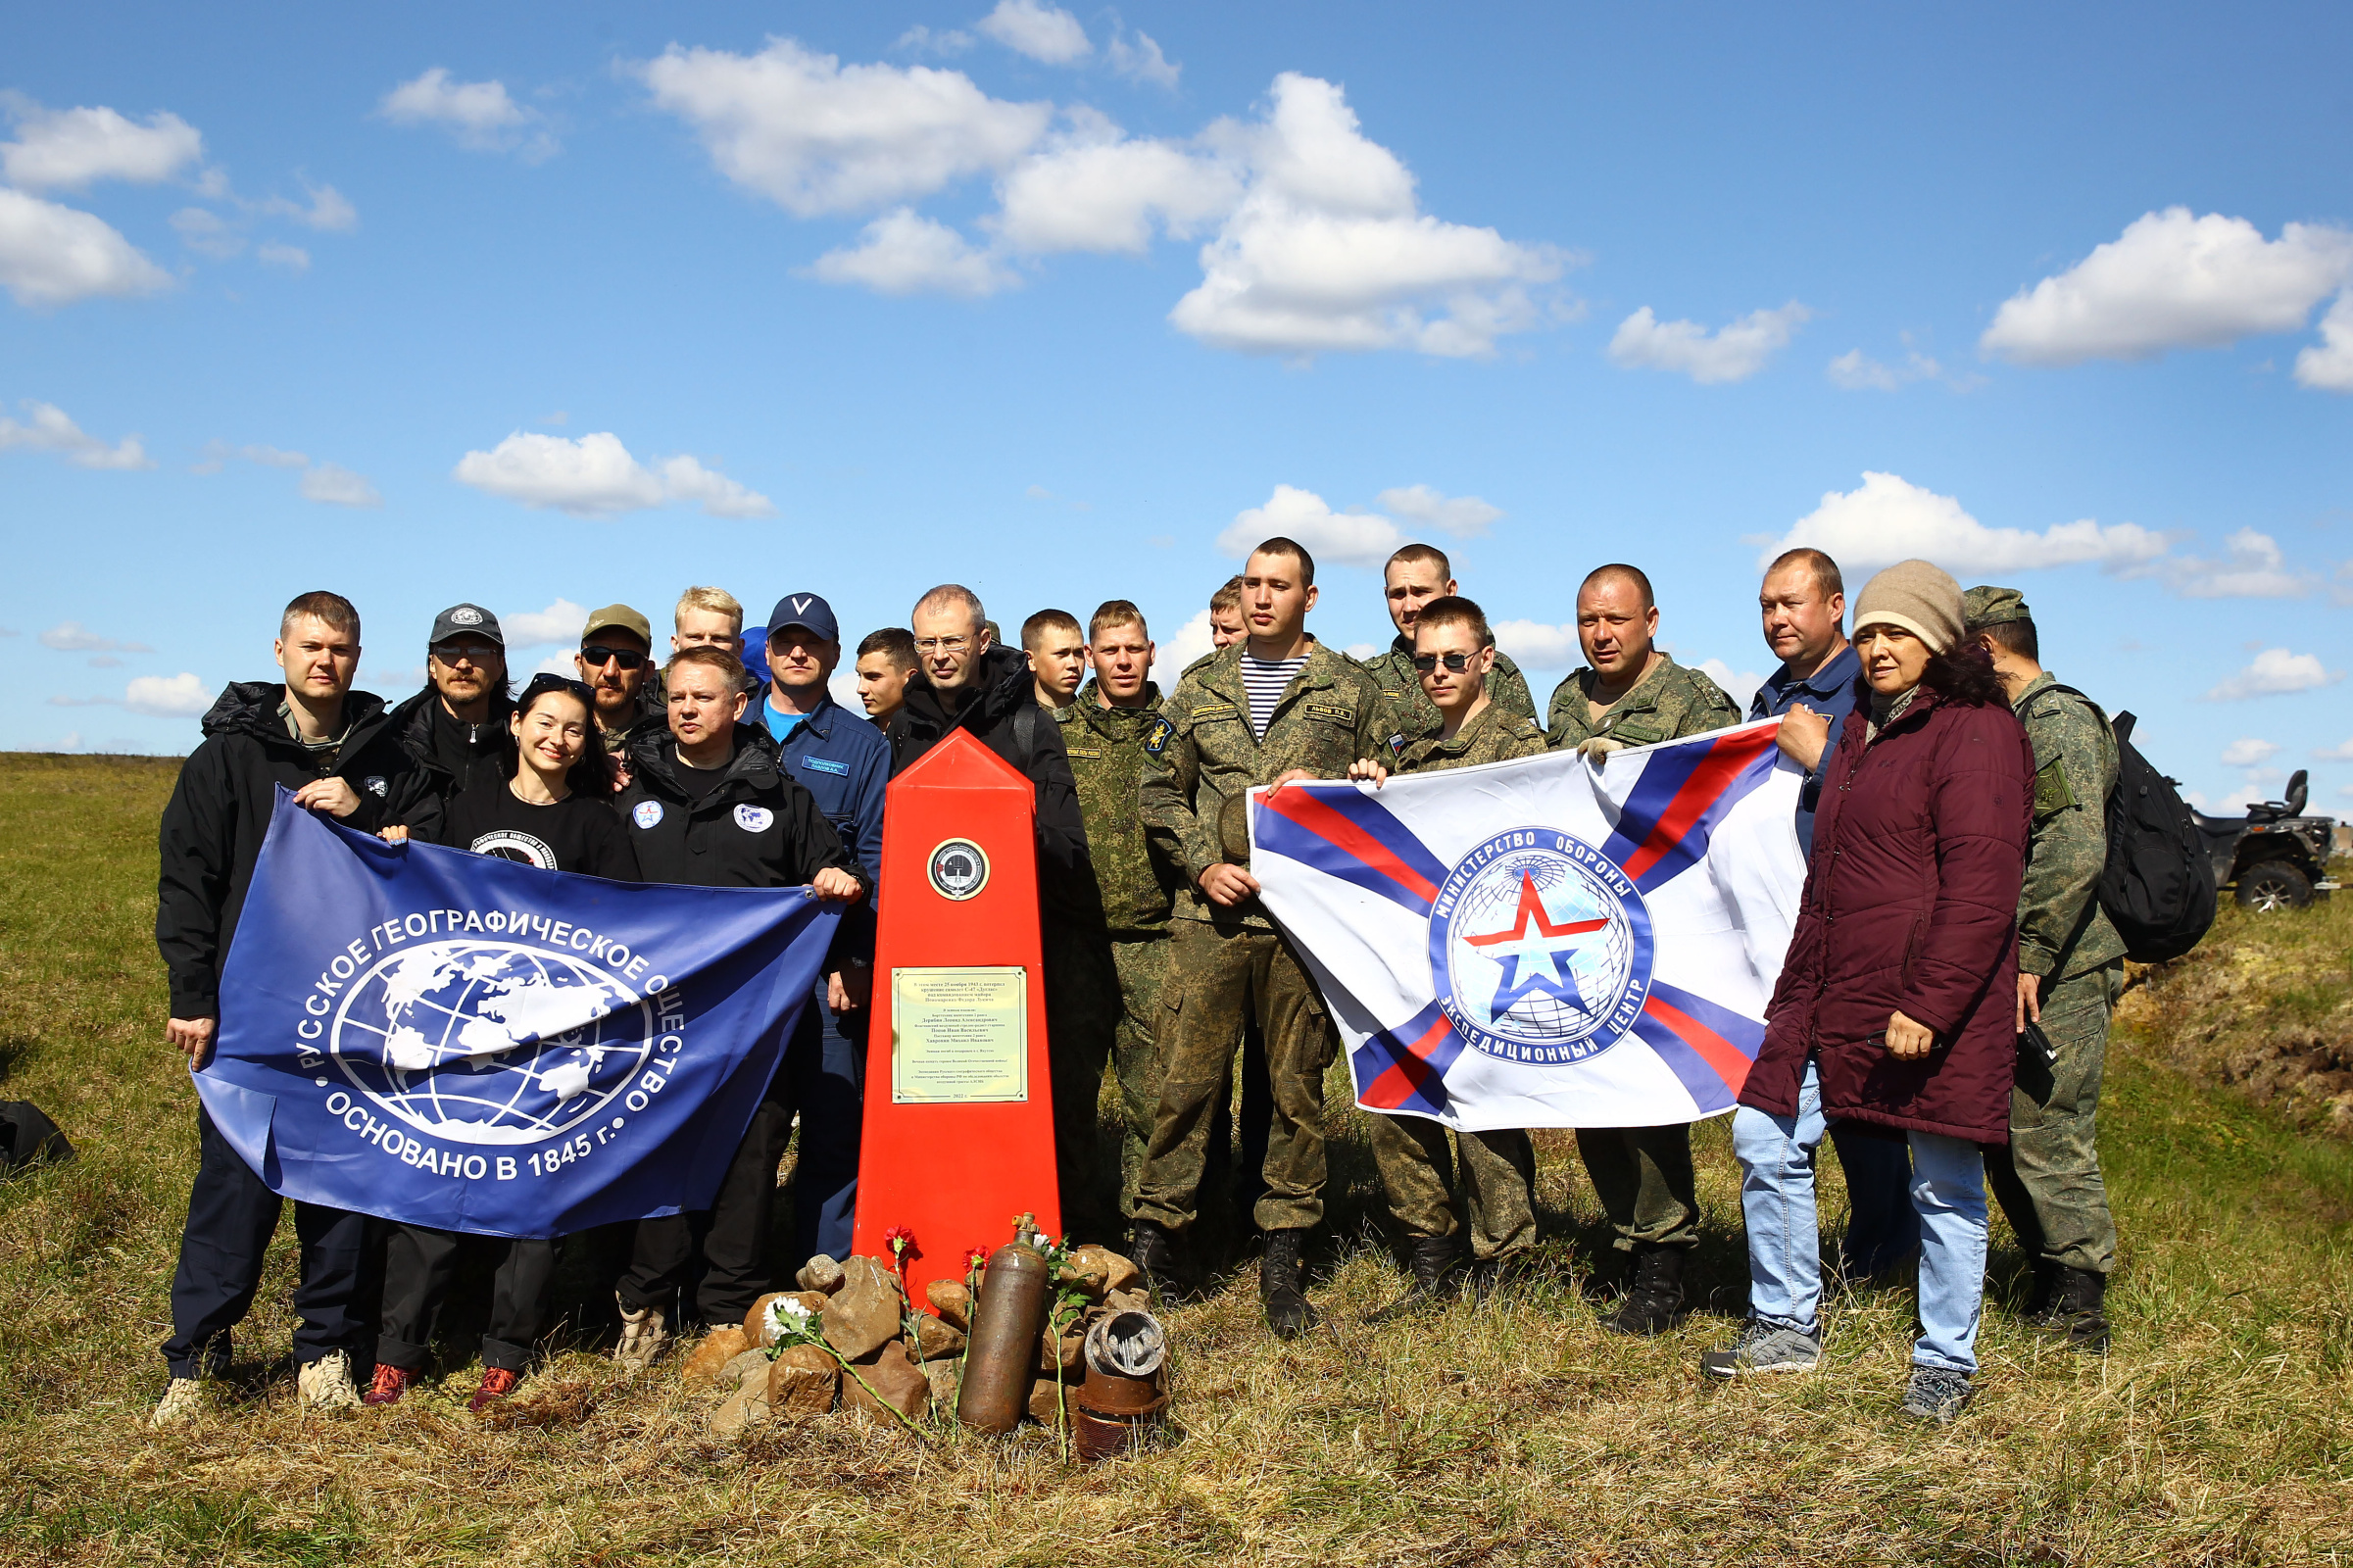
(1654, 1296)
(1279, 1285)
(1153, 1251)
(1431, 1261)
(2078, 1318)
(2046, 1286)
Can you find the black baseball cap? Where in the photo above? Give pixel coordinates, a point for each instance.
(805, 610)
(465, 620)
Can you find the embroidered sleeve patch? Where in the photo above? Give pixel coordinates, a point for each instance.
(2052, 793)
(1396, 745)
(1163, 732)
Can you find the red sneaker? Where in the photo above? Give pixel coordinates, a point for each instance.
(391, 1382)
(496, 1383)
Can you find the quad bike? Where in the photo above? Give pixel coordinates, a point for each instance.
(2276, 856)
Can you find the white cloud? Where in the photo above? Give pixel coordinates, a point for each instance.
(595, 476)
(946, 41)
(180, 696)
(1142, 60)
(1044, 32)
(815, 138)
(1346, 538)
(1172, 655)
(480, 114)
(2248, 752)
(52, 255)
(1888, 520)
(2334, 754)
(203, 230)
(1329, 251)
(1738, 684)
(293, 257)
(2171, 280)
(1092, 189)
(49, 429)
(72, 637)
(1463, 516)
(2253, 567)
(327, 208)
(902, 252)
(1857, 371)
(1538, 645)
(2275, 672)
(337, 486)
(2327, 366)
(561, 622)
(1732, 353)
(67, 149)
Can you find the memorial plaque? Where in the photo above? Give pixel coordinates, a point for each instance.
(959, 1036)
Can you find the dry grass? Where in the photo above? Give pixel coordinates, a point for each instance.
(2217, 1432)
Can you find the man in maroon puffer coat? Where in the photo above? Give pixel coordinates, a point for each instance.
(1895, 1008)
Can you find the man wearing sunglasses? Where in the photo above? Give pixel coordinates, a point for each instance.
(1483, 1191)
(456, 730)
(614, 661)
(1414, 576)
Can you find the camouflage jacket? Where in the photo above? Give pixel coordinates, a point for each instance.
(2062, 930)
(1490, 735)
(1668, 704)
(1506, 688)
(1202, 760)
(1105, 746)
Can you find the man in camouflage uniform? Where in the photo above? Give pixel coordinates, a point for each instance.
(1495, 1210)
(1103, 732)
(1416, 575)
(2071, 970)
(1275, 708)
(1632, 693)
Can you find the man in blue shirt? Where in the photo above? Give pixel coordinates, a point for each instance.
(1804, 605)
(846, 764)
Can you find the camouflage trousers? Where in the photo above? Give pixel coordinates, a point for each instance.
(1142, 964)
(1491, 1197)
(2047, 1178)
(1644, 1177)
(1219, 977)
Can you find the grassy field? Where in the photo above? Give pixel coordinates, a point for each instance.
(2220, 1429)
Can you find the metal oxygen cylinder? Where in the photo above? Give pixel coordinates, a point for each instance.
(1001, 1360)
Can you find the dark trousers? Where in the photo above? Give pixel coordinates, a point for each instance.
(826, 1075)
(1248, 1098)
(417, 1266)
(1882, 1227)
(231, 1218)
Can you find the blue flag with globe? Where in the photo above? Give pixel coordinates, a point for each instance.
(472, 1043)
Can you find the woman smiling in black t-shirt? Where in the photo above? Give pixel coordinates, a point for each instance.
(555, 813)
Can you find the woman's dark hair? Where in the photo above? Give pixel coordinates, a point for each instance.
(592, 775)
(1964, 675)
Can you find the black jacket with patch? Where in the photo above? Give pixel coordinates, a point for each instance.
(755, 827)
(1001, 710)
(220, 812)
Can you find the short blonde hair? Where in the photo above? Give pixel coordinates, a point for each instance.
(716, 601)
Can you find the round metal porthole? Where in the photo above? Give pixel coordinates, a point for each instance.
(958, 869)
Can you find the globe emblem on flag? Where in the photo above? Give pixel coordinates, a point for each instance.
(485, 1042)
(1539, 947)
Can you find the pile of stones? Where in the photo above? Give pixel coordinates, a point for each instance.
(907, 1361)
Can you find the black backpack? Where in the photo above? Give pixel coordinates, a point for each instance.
(28, 1138)
(2158, 887)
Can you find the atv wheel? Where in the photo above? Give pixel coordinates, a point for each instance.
(2272, 886)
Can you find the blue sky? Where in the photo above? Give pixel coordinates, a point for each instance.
(546, 307)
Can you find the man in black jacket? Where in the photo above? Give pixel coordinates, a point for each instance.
(335, 750)
(708, 806)
(966, 683)
(456, 728)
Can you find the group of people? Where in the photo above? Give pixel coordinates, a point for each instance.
(1942, 1015)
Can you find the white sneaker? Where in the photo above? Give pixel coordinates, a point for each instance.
(645, 1334)
(326, 1383)
(183, 1403)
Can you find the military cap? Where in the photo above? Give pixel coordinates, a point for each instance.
(1992, 607)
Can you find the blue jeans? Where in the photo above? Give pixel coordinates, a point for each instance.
(1785, 1246)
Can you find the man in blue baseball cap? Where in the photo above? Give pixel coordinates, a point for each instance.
(846, 764)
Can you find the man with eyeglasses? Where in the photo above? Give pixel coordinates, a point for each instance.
(456, 730)
(845, 763)
(615, 659)
(1482, 1191)
(965, 681)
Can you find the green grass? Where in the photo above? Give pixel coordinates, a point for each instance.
(2220, 1429)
